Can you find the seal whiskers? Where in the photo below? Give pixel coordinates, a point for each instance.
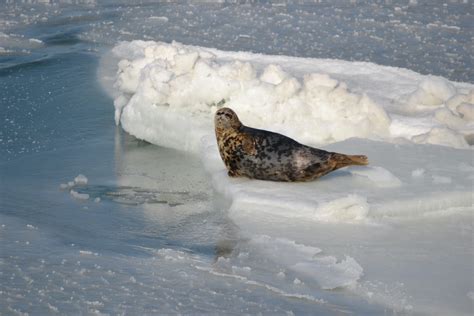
(266, 155)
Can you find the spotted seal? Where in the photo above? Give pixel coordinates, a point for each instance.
(265, 155)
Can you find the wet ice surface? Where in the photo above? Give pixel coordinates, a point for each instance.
(153, 236)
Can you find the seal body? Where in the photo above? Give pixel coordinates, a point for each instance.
(265, 155)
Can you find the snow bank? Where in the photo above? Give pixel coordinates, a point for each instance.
(180, 85)
(169, 92)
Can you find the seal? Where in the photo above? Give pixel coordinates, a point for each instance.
(259, 154)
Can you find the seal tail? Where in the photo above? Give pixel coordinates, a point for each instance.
(342, 160)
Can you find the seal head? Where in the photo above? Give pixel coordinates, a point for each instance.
(226, 119)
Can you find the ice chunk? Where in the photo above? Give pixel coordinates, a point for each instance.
(351, 207)
(162, 19)
(442, 136)
(418, 173)
(432, 91)
(79, 196)
(184, 63)
(456, 100)
(318, 81)
(331, 274)
(466, 110)
(449, 118)
(119, 103)
(86, 252)
(308, 263)
(296, 281)
(273, 74)
(80, 180)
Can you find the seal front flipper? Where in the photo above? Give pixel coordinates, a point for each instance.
(232, 173)
(248, 144)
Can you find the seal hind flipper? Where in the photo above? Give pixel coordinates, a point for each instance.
(342, 160)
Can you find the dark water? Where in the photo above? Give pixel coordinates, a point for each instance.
(430, 37)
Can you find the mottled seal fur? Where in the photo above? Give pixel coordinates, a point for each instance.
(265, 155)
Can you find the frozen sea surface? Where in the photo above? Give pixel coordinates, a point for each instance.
(94, 220)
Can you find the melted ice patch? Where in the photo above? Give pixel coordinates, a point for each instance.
(379, 176)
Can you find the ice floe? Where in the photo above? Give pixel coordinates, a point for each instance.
(167, 94)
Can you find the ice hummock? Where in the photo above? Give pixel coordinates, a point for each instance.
(314, 101)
